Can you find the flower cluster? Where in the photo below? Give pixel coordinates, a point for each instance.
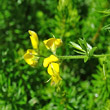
(52, 62)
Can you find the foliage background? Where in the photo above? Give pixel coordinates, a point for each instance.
(84, 86)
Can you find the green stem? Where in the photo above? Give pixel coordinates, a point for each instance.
(82, 56)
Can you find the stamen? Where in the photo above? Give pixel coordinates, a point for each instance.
(48, 80)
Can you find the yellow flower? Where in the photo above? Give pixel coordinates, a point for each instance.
(52, 44)
(50, 59)
(34, 39)
(53, 68)
(30, 57)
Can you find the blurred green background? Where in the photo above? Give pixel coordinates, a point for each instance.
(84, 86)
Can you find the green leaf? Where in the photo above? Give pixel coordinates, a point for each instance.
(76, 46)
(33, 101)
(86, 59)
(92, 51)
(83, 44)
(107, 27)
(83, 53)
(89, 47)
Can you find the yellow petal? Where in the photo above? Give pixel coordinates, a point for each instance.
(31, 51)
(48, 43)
(34, 39)
(58, 42)
(55, 80)
(45, 42)
(50, 59)
(53, 69)
(30, 58)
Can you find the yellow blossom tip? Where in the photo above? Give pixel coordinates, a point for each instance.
(31, 32)
(34, 39)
